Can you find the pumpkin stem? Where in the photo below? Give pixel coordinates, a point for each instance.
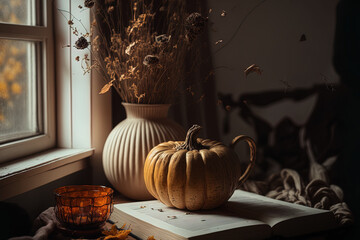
(191, 142)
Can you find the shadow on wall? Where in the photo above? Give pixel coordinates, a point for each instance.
(332, 126)
(14, 221)
(347, 64)
(285, 141)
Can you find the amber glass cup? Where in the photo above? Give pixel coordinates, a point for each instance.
(83, 206)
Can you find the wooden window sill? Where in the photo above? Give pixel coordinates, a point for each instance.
(25, 174)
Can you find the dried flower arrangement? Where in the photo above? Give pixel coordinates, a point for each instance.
(144, 59)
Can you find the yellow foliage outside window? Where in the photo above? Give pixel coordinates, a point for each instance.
(16, 88)
(12, 75)
(4, 92)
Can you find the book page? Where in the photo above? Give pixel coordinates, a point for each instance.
(186, 224)
(285, 218)
(248, 215)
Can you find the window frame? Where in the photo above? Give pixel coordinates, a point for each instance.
(42, 33)
(78, 146)
(84, 117)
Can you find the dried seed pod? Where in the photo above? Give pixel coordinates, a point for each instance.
(81, 43)
(194, 25)
(163, 38)
(150, 60)
(89, 3)
(110, 9)
(195, 22)
(253, 68)
(129, 48)
(303, 38)
(218, 41)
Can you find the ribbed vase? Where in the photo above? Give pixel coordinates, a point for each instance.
(126, 148)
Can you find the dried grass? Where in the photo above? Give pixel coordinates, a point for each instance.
(144, 58)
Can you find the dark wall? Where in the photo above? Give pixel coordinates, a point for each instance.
(347, 64)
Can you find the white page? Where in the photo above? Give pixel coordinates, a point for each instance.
(285, 218)
(251, 214)
(188, 224)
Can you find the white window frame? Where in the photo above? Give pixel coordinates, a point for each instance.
(82, 109)
(43, 34)
(83, 118)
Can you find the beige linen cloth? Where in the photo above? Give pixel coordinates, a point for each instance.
(45, 224)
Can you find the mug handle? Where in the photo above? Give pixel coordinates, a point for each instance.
(252, 147)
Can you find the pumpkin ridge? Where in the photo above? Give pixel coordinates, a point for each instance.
(213, 173)
(175, 179)
(205, 184)
(205, 180)
(227, 181)
(160, 172)
(152, 164)
(195, 177)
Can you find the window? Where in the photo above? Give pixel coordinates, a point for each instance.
(27, 104)
(83, 117)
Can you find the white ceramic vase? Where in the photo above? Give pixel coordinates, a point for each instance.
(126, 148)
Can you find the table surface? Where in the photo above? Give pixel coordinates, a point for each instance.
(121, 199)
(118, 198)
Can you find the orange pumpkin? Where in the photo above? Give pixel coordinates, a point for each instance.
(196, 173)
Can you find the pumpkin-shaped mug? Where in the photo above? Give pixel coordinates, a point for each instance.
(196, 173)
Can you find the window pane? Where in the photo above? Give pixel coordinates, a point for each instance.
(17, 12)
(18, 100)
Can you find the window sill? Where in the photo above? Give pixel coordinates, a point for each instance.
(25, 174)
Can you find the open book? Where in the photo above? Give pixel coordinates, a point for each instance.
(244, 216)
